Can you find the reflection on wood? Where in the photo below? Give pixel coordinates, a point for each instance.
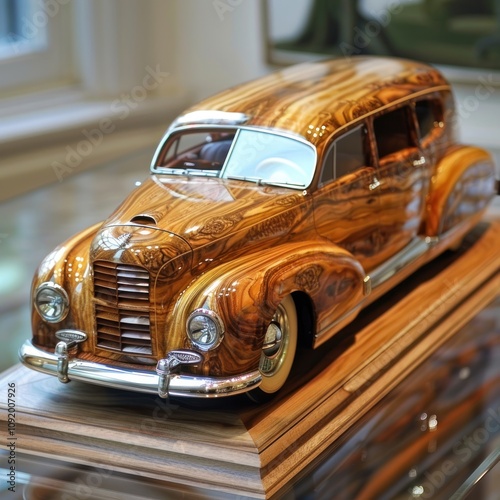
(432, 430)
(257, 451)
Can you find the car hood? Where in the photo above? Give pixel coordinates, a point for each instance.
(201, 210)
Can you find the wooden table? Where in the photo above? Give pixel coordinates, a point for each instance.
(230, 447)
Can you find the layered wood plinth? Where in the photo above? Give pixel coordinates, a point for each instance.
(233, 447)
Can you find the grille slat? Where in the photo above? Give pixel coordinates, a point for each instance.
(130, 282)
(133, 290)
(123, 322)
(134, 336)
(109, 330)
(136, 320)
(105, 272)
(104, 284)
(135, 276)
(136, 350)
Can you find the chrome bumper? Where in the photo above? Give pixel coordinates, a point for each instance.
(162, 382)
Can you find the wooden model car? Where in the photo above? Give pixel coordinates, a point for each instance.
(275, 211)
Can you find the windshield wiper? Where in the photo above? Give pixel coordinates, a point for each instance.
(189, 171)
(204, 172)
(257, 180)
(281, 184)
(261, 182)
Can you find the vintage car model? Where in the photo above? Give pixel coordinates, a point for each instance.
(274, 213)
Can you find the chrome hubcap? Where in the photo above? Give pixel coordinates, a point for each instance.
(275, 345)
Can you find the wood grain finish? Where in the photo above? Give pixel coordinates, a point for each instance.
(459, 188)
(239, 248)
(256, 452)
(318, 99)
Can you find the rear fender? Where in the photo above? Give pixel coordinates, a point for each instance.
(461, 188)
(246, 292)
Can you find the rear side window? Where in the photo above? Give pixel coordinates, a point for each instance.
(429, 116)
(393, 132)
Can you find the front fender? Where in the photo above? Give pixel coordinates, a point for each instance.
(246, 292)
(68, 266)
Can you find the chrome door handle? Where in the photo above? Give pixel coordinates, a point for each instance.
(375, 184)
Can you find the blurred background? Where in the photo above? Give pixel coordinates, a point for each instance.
(88, 87)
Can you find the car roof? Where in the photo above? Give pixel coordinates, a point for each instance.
(316, 99)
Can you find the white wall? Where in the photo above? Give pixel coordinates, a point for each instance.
(217, 44)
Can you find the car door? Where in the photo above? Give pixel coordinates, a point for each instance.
(346, 203)
(403, 172)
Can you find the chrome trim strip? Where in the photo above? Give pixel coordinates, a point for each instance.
(136, 380)
(210, 117)
(411, 252)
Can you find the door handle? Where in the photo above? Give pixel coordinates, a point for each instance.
(375, 184)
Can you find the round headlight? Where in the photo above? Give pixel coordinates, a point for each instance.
(51, 302)
(204, 329)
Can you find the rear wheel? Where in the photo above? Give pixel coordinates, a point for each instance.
(278, 351)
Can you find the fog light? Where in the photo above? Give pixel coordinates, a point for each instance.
(204, 329)
(51, 302)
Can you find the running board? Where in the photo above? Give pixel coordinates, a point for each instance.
(410, 253)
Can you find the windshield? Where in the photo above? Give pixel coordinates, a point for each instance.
(240, 154)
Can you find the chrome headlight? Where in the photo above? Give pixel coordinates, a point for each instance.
(51, 302)
(204, 329)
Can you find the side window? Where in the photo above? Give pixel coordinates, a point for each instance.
(429, 116)
(393, 131)
(347, 155)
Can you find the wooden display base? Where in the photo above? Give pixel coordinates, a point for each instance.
(233, 447)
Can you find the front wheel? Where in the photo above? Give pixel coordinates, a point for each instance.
(278, 351)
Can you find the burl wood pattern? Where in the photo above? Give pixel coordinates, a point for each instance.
(240, 248)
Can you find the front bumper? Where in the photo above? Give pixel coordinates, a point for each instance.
(68, 368)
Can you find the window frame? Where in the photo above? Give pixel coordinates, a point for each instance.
(437, 106)
(331, 152)
(120, 48)
(412, 126)
(25, 65)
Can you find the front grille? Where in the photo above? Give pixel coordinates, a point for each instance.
(122, 307)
